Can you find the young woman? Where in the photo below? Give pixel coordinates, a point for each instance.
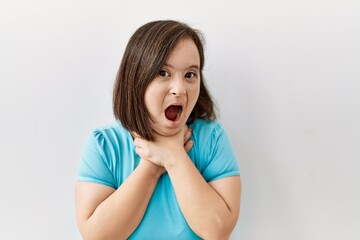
(165, 169)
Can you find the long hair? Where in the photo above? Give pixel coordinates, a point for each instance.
(144, 57)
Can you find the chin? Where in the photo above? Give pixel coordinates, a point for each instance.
(169, 129)
(168, 132)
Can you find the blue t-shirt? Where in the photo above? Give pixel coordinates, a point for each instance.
(109, 157)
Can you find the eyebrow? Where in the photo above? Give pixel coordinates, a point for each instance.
(191, 66)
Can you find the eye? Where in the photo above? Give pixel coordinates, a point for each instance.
(190, 75)
(163, 73)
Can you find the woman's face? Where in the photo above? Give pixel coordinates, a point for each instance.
(172, 95)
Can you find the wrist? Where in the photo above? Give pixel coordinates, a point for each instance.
(175, 160)
(152, 169)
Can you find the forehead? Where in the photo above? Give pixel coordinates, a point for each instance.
(184, 54)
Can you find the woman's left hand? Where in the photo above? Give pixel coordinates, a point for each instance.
(164, 148)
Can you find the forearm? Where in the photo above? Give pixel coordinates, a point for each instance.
(120, 213)
(205, 211)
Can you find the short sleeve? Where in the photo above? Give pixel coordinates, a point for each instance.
(94, 166)
(222, 161)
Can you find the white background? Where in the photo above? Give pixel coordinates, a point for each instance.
(285, 75)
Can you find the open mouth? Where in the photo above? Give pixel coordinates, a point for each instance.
(173, 112)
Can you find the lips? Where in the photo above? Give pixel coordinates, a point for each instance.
(173, 112)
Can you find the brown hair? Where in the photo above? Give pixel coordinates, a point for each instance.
(144, 56)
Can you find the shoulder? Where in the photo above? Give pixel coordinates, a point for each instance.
(103, 154)
(109, 139)
(206, 130)
(111, 130)
(212, 151)
(109, 134)
(206, 134)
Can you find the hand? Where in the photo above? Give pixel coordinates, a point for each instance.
(188, 144)
(164, 148)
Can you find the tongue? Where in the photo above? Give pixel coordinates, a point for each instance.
(171, 113)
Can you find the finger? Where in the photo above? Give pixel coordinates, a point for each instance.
(188, 145)
(135, 135)
(141, 152)
(187, 135)
(138, 142)
(185, 129)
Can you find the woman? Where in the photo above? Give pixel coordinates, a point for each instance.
(165, 169)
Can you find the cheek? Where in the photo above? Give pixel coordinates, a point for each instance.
(149, 101)
(151, 104)
(193, 93)
(153, 98)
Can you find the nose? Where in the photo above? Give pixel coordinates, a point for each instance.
(178, 86)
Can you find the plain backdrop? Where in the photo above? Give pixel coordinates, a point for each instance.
(285, 76)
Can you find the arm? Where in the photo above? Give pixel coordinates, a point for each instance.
(211, 209)
(105, 213)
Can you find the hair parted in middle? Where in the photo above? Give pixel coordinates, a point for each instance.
(144, 57)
